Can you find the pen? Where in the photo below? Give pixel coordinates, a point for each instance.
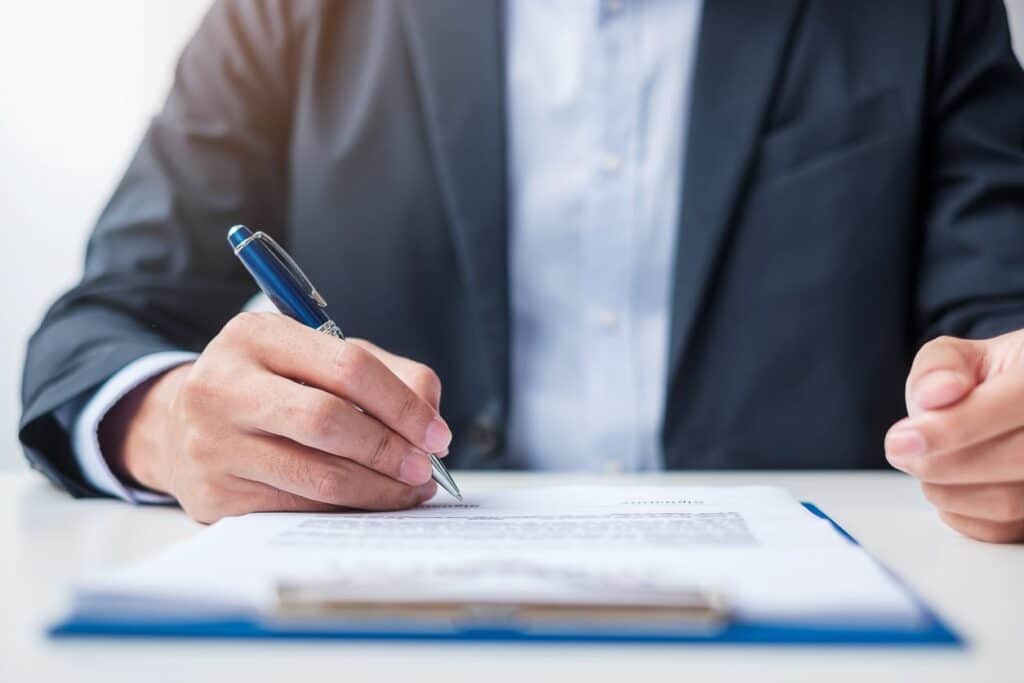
(293, 294)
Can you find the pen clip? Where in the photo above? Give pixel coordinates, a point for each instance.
(291, 266)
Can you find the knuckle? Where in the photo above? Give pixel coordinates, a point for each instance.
(428, 379)
(937, 344)
(193, 444)
(407, 407)
(319, 417)
(348, 360)
(196, 390)
(330, 488)
(382, 450)
(289, 468)
(246, 329)
(241, 326)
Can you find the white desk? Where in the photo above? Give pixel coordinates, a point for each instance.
(53, 539)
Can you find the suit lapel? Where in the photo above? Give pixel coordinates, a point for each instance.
(742, 45)
(457, 53)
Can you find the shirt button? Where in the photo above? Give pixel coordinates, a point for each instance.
(610, 162)
(607, 319)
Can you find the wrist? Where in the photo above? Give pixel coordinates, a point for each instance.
(133, 434)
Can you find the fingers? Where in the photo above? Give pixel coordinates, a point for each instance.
(964, 439)
(322, 478)
(994, 461)
(944, 370)
(231, 497)
(416, 376)
(324, 422)
(978, 491)
(994, 502)
(344, 369)
(276, 416)
(991, 409)
(241, 496)
(984, 529)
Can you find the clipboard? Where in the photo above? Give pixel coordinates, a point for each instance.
(307, 613)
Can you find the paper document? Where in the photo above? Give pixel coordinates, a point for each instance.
(757, 546)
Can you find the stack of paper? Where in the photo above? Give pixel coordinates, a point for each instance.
(771, 559)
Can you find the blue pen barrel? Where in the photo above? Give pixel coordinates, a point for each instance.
(274, 278)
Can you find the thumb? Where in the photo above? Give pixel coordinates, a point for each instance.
(945, 370)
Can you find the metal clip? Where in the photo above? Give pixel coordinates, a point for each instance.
(286, 261)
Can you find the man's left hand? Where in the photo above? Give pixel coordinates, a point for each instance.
(964, 437)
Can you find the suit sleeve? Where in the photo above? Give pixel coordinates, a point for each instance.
(158, 274)
(972, 267)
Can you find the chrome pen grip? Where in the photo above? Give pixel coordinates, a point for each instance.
(331, 328)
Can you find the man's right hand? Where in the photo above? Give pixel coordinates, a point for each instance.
(266, 419)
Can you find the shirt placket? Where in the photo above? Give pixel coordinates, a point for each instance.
(608, 242)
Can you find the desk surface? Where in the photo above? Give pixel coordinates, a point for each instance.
(53, 540)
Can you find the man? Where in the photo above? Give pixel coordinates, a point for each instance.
(626, 235)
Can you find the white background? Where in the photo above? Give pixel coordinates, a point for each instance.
(78, 83)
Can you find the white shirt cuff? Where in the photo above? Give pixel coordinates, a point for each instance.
(85, 434)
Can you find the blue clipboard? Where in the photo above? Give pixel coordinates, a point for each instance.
(929, 631)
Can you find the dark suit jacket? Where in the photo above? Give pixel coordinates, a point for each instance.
(854, 185)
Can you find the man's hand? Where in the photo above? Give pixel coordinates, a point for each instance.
(964, 437)
(266, 419)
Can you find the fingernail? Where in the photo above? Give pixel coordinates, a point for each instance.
(438, 436)
(903, 442)
(939, 388)
(415, 469)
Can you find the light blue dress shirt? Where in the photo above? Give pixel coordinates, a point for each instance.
(598, 101)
